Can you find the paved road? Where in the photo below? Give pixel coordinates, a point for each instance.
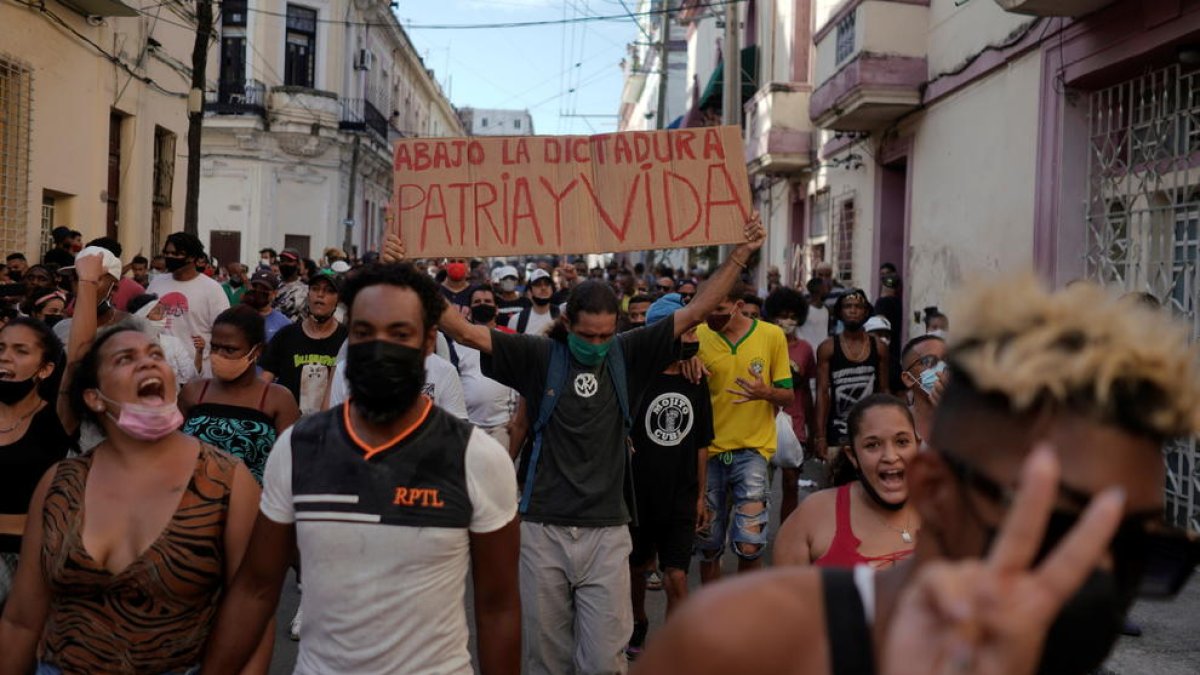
(1170, 645)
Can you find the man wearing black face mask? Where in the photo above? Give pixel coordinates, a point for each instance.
(259, 295)
(389, 500)
(293, 292)
(1067, 397)
(192, 300)
(850, 367)
(534, 320)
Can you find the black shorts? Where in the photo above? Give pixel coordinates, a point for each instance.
(671, 540)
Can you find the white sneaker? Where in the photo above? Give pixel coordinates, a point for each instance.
(297, 620)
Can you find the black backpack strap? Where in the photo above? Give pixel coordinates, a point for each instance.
(851, 651)
(523, 320)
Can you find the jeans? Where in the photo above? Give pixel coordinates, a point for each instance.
(742, 475)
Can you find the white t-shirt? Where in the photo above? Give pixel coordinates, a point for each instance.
(489, 403)
(816, 328)
(191, 306)
(383, 598)
(537, 322)
(441, 384)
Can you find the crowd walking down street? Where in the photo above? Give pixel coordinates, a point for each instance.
(863, 339)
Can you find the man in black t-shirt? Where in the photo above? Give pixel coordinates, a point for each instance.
(575, 541)
(671, 433)
(302, 356)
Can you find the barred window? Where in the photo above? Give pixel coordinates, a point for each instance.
(15, 88)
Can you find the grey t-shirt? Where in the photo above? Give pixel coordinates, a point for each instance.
(580, 477)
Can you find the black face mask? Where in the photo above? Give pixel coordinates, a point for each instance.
(385, 378)
(1089, 624)
(52, 319)
(15, 276)
(12, 391)
(483, 314)
(541, 302)
(235, 282)
(175, 264)
(872, 493)
(853, 326)
(688, 350)
(287, 270)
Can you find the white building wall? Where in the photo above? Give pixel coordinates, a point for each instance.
(973, 164)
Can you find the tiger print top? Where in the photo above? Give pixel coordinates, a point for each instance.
(155, 615)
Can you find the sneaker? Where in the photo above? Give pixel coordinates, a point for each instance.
(638, 640)
(653, 581)
(294, 632)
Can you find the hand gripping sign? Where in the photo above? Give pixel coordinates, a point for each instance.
(627, 191)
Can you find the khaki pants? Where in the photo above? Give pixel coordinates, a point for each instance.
(575, 612)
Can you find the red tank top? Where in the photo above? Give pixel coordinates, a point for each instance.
(843, 550)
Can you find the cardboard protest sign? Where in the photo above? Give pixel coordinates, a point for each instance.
(476, 197)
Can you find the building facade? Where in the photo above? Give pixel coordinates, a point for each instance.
(960, 139)
(305, 101)
(93, 121)
(496, 122)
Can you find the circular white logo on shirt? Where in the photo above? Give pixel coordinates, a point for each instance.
(586, 385)
(669, 419)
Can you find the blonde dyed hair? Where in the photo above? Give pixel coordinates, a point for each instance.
(1081, 350)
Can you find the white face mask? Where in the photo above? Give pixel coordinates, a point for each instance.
(508, 285)
(937, 333)
(788, 325)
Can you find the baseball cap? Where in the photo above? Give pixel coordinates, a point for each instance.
(327, 276)
(505, 271)
(538, 275)
(664, 307)
(877, 323)
(111, 264)
(290, 254)
(265, 277)
(339, 267)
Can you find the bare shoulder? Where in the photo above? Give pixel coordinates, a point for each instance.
(825, 351)
(796, 535)
(768, 621)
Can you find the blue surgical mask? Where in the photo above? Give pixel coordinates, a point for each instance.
(929, 378)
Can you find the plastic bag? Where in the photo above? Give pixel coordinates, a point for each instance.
(789, 452)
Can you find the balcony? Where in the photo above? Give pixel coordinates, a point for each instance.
(237, 98)
(359, 114)
(300, 109)
(870, 64)
(778, 131)
(1053, 7)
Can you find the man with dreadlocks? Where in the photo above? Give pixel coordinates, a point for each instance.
(1041, 506)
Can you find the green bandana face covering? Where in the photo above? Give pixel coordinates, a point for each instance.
(587, 353)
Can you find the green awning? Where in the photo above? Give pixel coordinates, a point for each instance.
(713, 96)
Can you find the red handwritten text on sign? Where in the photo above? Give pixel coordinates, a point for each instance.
(559, 194)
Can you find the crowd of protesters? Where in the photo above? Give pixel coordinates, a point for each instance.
(574, 436)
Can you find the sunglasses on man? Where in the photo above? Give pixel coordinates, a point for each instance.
(1144, 546)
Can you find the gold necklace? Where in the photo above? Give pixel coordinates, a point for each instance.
(862, 355)
(905, 535)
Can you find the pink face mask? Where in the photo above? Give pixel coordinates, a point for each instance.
(147, 422)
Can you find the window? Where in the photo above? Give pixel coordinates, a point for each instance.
(232, 77)
(15, 85)
(300, 242)
(516, 124)
(299, 67)
(845, 37)
(844, 263)
(113, 191)
(485, 123)
(49, 206)
(164, 183)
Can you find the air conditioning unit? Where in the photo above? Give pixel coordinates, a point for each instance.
(364, 60)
